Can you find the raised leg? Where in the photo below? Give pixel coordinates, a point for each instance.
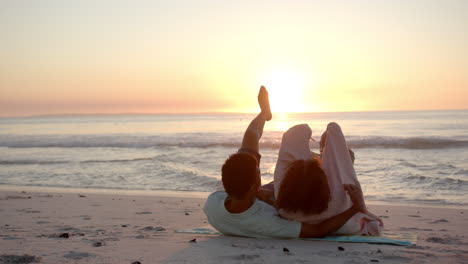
(336, 158)
(337, 162)
(254, 131)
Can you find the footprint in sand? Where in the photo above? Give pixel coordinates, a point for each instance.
(29, 211)
(11, 238)
(77, 255)
(25, 259)
(243, 257)
(85, 217)
(12, 197)
(445, 240)
(143, 213)
(414, 229)
(69, 229)
(439, 221)
(153, 228)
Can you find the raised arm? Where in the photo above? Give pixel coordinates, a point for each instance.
(255, 129)
(334, 223)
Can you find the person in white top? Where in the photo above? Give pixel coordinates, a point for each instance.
(237, 211)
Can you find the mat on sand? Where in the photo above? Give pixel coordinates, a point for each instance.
(400, 239)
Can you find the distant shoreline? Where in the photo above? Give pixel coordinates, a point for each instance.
(45, 189)
(216, 113)
(176, 194)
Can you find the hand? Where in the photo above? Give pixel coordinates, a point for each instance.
(355, 193)
(375, 217)
(351, 154)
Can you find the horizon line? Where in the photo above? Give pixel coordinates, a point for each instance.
(215, 112)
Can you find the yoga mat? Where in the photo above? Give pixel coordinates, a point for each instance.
(389, 238)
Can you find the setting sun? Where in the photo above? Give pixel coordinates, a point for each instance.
(286, 89)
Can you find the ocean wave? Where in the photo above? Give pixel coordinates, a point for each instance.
(407, 143)
(461, 172)
(443, 180)
(195, 140)
(209, 140)
(116, 160)
(441, 202)
(436, 183)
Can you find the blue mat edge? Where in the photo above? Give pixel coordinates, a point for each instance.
(349, 239)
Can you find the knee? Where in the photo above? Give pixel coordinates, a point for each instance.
(333, 126)
(299, 130)
(334, 129)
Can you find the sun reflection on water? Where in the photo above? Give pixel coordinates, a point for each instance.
(281, 122)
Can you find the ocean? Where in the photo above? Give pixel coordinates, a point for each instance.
(405, 157)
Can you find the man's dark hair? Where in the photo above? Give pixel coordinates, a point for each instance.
(304, 188)
(239, 174)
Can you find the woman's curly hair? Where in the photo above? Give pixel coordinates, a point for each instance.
(304, 188)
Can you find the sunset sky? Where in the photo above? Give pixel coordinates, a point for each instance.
(212, 56)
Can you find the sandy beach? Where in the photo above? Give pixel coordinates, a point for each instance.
(119, 118)
(52, 227)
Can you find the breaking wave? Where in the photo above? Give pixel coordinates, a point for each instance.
(208, 140)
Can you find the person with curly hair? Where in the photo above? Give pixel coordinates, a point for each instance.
(311, 188)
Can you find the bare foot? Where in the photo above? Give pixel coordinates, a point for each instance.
(264, 103)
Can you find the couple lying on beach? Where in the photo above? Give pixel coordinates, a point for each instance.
(311, 196)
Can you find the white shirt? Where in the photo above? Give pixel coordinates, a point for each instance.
(261, 220)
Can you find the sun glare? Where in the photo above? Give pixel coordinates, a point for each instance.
(286, 91)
